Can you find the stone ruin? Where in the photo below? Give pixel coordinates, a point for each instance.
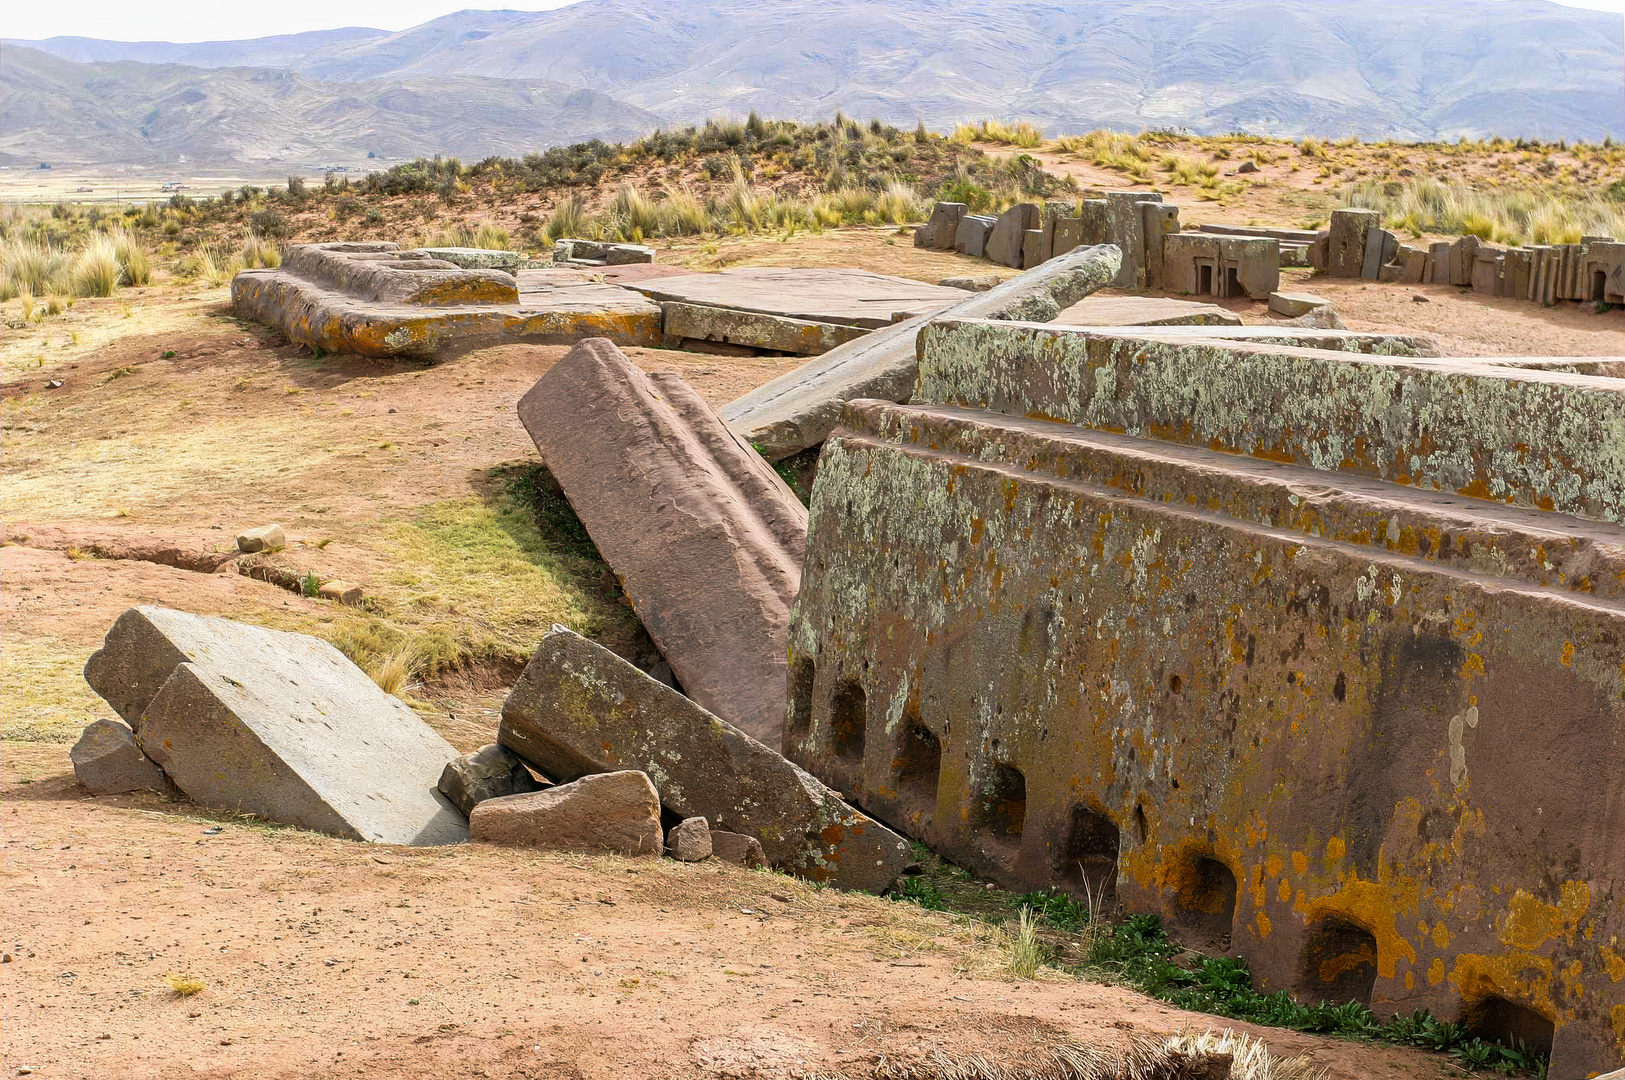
(1215, 261)
(1357, 246)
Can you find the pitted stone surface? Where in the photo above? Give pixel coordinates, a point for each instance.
(579, 709)
(796, 410)
(275, 724)
(705, 537)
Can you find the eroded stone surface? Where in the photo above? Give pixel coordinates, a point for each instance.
(841, 295)
(275, 724)
(616, 812)
(579, 709)
(705, 537)
(796, 410)
(108, 761)
(488, 773)
(1144, 311)
(690, 840)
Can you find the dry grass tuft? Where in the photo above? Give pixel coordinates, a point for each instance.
(187, 985)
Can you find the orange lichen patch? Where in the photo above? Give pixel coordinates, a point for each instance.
(1376, 906)
(1517, 977)
(1530, 922)
(1614, 963)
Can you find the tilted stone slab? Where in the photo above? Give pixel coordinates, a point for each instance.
(939, 232)
(776, 332)
(796, 410)
(275, 724)
(1542, 439)
(705, 537)
(971, 236)
(1007, 241)
(377, 301)
(1235, 695)
(579, 709)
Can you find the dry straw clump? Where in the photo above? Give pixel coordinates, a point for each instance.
(1421, 206)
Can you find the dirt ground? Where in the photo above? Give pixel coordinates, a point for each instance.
(175, 426)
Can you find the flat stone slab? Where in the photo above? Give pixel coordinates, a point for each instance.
(579, 709)
(378, 301)
(275, 724)
(799, 408)
(706, 538)
(1294, 304)
(617, 812)
(815, 294)
(477, 258)
(1144, 311)
(778, 333)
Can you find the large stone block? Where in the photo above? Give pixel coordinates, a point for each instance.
(579, 709)
(615, 812)
(705, 537)
(939, 232)
(1160, 221)
(1005, 244)
(275, 724)
(1266, 703)
(1068, 235)
(778, 333)
(1035, 248)
(1125, 228)
(971, 236)
(1539, 439)
(108, 761)
(1345, 257)
(488, 773)
(796, 410)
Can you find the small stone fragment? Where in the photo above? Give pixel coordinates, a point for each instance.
(108, 761)
(690, 841)
(616, 811)
(342, 592)
(740, 850)
(488, 773)
(264, 538)
(972, 282)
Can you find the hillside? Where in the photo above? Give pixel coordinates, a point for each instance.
(1373, 68)
(127, 112)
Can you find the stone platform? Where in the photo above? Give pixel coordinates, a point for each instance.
(373, 299)
(1345, 699)
(1144, 311)
(838, 295)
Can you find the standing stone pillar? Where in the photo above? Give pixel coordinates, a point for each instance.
(1125, 227)
(1345, 256)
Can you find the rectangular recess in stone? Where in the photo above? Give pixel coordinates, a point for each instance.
(1548, 440)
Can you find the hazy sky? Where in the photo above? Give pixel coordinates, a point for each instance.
(212, 20)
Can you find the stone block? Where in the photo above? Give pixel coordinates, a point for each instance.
(1293, 304)
(973, 282)
(1486, 273)
(1034, 250)
(704, 536)
(690, 840)
(579, 709)
(1439, 259)
(275, 724)
(939, 232)
(615, 812)
(1320, 252)
(1375, 241)
(341, 592)
(1068, 235)
(821, 294)
(1144, 311)
(108, 761)
(264, 538)
(1155, 589)
(488, 773)
(743, 851)
(1516, 282)
(1125, 228)
(1095, 230)
(1007, 241)
(1548, 446)
(1346, 242)
(1463, 256)
(796, 410)
(778, 333)
(971, 236)
(1159, 220)
(628, 255)
(477, 258)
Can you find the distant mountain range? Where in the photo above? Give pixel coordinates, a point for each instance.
(482, 82)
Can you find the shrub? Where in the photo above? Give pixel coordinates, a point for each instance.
(268, 223)
(96, 270)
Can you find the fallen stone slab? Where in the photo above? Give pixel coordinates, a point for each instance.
(939, 232)
(579, 709)
(1144, 311)
(1293, 304)
(798, 409)
(1298, 333)
(1324, 317)
(373, 299)
(264, 538)
(706, 538)
(972, 234)
(477, 258)
(972, 282)
(740, 850)
(275, 724)
(572, 251)
(615, 812)
(488, 773)
(778, 333)
(833, 294)
(108, 761)
(690, 841)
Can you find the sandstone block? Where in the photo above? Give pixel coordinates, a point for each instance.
(1293, 304)
(940, 231)
(1376, 240)
(1346, 242)
(972, 282)
(628, 255)
(275, 724)
(705, 537)
(971, 236)
(1007, 241)
(488, 773)
(796, 410)
(1320, 252)
(1463, 257)
(780, 333)
(1068, 235)
(108, 761)
(341, 592)
(743, 851)
(616, 812)
(1033, 250)
(579, 709)
(690, 841)
(264, 538)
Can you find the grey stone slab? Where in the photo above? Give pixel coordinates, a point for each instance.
(1125, 227)
(815, 294)
(779, 333)
(488, 773)
(109, 761)
(971, 236)
(275, 724)
(1373, 264)
(1034, 249)
(939, 232)
(579, 709)
(1144, 311)
(1293, 304)
(1160, 220)
(1007, 241)
(1346, 243)
(1068, 235)
(798, 409)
